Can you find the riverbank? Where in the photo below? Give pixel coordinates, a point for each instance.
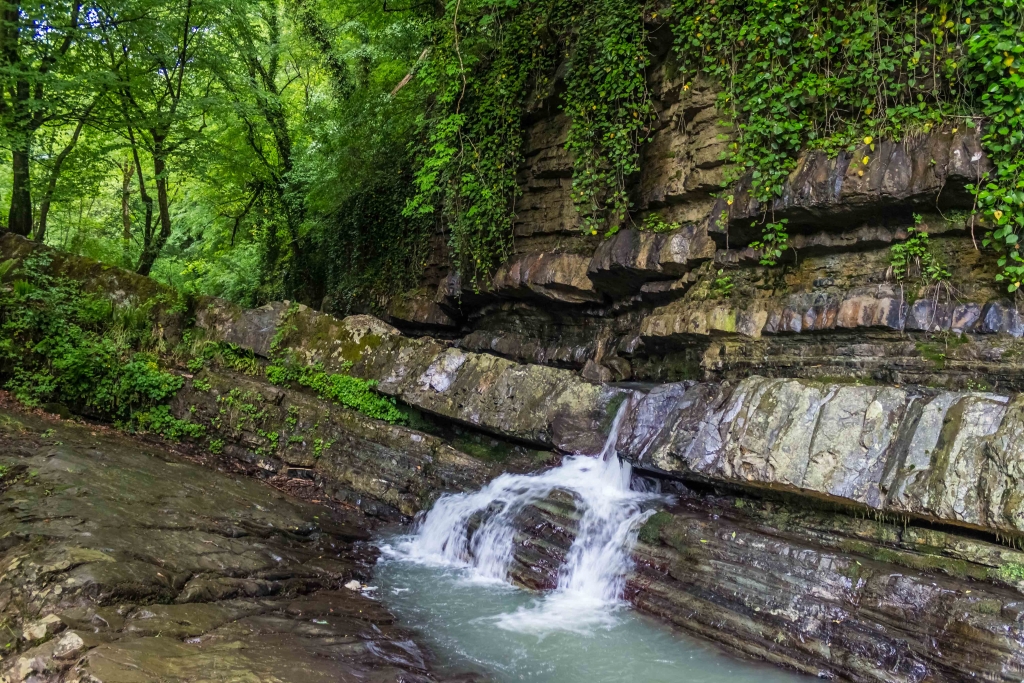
(125, 562)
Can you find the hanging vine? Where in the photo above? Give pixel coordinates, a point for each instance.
(610, 107)
(798, 75)
(488, 56)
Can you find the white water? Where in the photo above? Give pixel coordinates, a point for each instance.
(590, 583)
(453, 588)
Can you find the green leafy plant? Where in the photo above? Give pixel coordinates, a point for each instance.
(773, 243)
(346, 390)
(61, 345)
(722, 286)
(610, 107)
(913, 257)
(491, 60)
(657, 224)
(486, 58)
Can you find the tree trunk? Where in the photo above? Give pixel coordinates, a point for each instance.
(19, 221)
(51, 183)
(126, 208)
(155, 243)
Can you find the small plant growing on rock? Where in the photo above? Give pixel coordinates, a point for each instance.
(773, 243)
(914, 258)
(913, 255)
(657, 224)
(722, 286)
(345, 390)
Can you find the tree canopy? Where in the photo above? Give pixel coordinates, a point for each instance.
(310, 149)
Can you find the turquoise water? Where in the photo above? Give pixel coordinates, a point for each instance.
(491, 627)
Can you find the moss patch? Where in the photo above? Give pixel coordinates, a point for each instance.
(650, 532)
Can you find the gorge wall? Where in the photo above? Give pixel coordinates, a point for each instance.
(694, 302)
(843, 446)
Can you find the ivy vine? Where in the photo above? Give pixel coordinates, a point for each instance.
(492, 59)
(486, 57)
(610, 106)
(798, 75)
(794, 75)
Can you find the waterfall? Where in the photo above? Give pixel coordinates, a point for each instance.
(592, 579)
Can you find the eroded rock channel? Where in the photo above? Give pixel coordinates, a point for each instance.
(125, 562)
(853, 531)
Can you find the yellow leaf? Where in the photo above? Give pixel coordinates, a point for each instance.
(868, 140)
(865, 160)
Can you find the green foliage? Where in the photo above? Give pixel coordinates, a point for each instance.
(1011, 572)
(321, 446)
(914, 256)
(346, 390)
(60, 345)
(158, 420)
(802, 75)
(610, 107)
(994, 55)
(722, 286)
(657, 224)
(227, 355)
(773, 242)
(486, 57)
(492, 60)
(815, 74)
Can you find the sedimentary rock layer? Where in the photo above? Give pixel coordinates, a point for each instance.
(123, 562)
(950, 457)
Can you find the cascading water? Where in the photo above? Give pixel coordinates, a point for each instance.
(592, 579)
(452, 586)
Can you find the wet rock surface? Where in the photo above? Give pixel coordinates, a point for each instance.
(814, 590)
(388, 472)
(126, 563)
(948, 457)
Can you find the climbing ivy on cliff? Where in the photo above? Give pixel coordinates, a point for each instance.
(995, 53)
(837, 77)
(492, 61)
(610, 107)
(486, 55)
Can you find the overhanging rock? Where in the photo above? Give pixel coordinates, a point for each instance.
(548, 407)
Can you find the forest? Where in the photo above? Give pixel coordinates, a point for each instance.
(308, 149)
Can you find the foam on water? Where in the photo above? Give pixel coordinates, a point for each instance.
(452, 586)
(591, 581)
